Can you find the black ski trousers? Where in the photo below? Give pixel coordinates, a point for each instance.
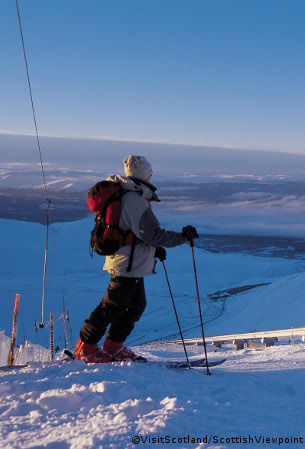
(123, 304)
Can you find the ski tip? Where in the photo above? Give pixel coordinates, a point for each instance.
(69, 353)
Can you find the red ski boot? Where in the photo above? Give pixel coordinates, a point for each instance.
(119, 352)
(91, 353)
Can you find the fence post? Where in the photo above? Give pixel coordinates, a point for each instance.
(10, 360)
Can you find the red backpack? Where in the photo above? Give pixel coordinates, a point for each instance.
(104, 198)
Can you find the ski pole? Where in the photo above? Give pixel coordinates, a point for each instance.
(170, 291)
(198, 296)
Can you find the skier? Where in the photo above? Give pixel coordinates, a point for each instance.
(124, 301)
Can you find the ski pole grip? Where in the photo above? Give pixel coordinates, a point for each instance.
(192, 243)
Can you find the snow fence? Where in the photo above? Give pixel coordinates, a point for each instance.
(26, 353)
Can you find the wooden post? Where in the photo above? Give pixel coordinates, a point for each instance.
(52, 336)
(10, 360)
(217, 344)
(240, 344)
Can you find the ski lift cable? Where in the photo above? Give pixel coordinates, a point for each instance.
(32, 101)
(41, 163)
(49, 220)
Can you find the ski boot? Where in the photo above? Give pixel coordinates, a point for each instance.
(120, 352)
(91, 353)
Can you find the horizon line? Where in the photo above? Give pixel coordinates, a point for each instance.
(148, 141)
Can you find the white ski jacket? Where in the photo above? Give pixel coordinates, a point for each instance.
(137, 215)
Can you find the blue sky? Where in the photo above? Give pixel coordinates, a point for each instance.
(218, 72)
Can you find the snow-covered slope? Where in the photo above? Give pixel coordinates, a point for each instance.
(279, 305)
(22, 255)
(254, 395)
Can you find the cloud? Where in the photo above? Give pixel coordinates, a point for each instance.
(250, 196)
(256, 207)
(172, 157)
(259, 213)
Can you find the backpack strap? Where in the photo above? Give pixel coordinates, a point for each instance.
(133, 246)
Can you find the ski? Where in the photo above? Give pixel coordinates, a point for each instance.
(174, 364)
(178, 364)
(13, 367)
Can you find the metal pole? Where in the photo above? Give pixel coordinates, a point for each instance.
(52, 336)
(170, 291)
(45, 267)
(23, 333)
(65, 317)
(200, 313)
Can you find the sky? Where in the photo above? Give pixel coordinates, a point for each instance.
(213, 73)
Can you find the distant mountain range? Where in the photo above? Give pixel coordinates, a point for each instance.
(217, 204)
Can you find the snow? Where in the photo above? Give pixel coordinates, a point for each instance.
(4, 348)
(73, 405)
(255, 394)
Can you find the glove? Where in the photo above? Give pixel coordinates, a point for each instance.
(160, 253)
(190, 232)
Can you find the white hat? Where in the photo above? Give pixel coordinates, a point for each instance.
(137, 166)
